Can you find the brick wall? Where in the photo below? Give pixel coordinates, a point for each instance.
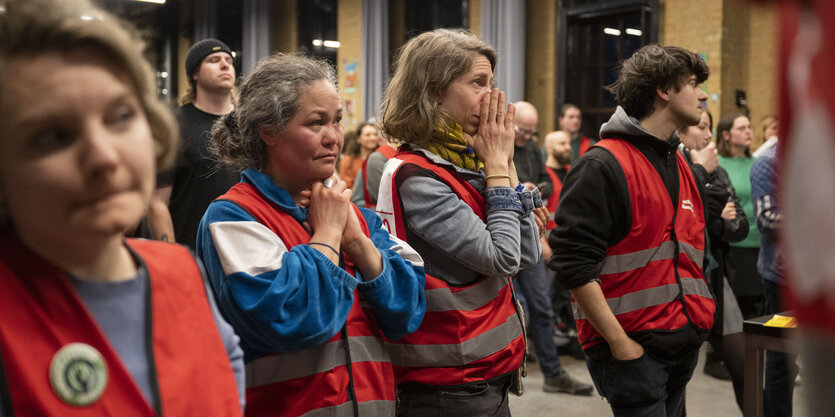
(697, 25)
(284, 26)
(734, 55)
(762, 64)
(349, 35)
(541, 62)
(740, 40)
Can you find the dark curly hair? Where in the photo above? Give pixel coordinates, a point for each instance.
(651, 68)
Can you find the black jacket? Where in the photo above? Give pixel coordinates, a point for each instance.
(594, 213)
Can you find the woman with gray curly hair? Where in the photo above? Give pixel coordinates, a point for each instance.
(93, 323)
(310, 282)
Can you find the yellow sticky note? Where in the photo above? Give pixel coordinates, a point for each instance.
(781, 321)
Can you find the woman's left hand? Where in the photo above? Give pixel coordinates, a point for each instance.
(360, 248)
(352, 235)
(540, 214)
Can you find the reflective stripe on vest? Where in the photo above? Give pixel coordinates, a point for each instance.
(653, 279)
(650, 297)
(368, 408)
(315, 381)
(614, 264)
(468, 334)
(287, 366)
(468, 299)
(460, 354)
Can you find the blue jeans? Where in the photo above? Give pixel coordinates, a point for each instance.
(533, 284)
(478, 399)
(780, 369)
(643, 387)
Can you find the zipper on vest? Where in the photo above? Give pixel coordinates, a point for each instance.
(520, 314)
(149, 345)
(673, 235)
(352, 393)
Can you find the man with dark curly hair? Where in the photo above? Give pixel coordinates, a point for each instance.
(630, 239)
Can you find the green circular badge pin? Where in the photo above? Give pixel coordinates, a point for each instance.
(78, 374)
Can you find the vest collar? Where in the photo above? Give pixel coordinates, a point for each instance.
(277, 195)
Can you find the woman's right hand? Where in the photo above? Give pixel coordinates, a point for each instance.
(493, 143)
(328, 211)
(729, 211)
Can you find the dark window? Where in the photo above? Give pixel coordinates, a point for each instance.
(599, 36)
(425, 15)
(157, 25)
(317, 28)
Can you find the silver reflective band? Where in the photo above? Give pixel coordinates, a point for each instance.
(614, 264)
(473, 298)
(458, 354)
(695, 255)
(650, 297)
(328, 183)
(366, 409)
(288, 366)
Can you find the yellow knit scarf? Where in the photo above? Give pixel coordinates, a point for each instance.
(449, 143)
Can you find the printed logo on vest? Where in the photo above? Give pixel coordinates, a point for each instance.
(78, 374)
(688, 205)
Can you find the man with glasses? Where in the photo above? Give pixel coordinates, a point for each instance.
(533, 282)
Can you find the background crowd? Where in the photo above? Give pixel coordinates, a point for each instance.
(414, 266)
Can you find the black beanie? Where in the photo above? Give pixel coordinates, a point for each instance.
(200, 50)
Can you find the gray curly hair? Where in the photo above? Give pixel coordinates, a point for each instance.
(269, 96)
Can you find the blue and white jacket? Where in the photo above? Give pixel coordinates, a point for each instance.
(286, 300)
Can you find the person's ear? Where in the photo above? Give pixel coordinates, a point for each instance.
(268, 134)
(663, 94)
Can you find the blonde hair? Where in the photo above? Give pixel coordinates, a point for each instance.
(759, 135)
(425, 67)
(32, 27)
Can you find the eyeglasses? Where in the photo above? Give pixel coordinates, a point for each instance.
(526, 132)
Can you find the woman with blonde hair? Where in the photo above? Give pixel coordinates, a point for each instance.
(453, 194)
(767, 135)
(93, 323)
(310, 282)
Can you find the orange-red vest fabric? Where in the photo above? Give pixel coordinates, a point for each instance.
(585, 144)
(386, 151)
(653, 279)
(41, 312)
(554, 199)
(320, 380)
(469, 333)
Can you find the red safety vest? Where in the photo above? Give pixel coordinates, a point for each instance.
(319, 379)
(386, 151)
(469, 333)
(652, 279)
(807, 114)
(585, 144)
(42, 313)
(554, 199)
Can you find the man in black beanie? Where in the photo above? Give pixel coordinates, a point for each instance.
(184, 192)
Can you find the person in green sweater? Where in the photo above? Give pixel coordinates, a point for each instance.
(734, 137)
